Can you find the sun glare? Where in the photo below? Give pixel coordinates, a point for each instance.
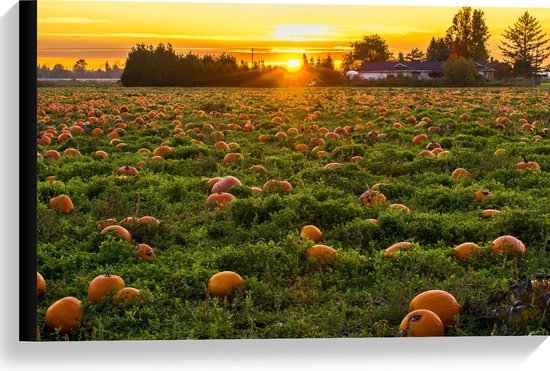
(293, 64)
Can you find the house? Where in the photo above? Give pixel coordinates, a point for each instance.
(420, 70)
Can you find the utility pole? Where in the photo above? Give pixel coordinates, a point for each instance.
(252, 57)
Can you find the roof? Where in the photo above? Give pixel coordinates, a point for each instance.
(413, 66)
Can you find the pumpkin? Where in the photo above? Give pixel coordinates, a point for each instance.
(508, 244)
(221, 146)
(40, 286)
(490, 212)
(224, 284)
(371, 197)
(322, 253)
(219, 200)
(53, 154)
(43, 140)
(356, 158)
(104, 285)
(127, 170)
(465, 250)
(162, 151)
(459, 172)
(62, 204)
(255, 189)
(104, 224)
(480, 195)
(528, 165)
(427, 153)
(465, 117)
(258, 169)
(265, 137)
(399, 207)
(277, 185)
(371, 221)
(225, 183)
(396, 247)
(301, 147)
(500, 151)
(440, 302)
(145, 251)
(128, 296)
(421, 323)
(103, 154)
(213, 181)
(119, 232)
(148, 220)
(65, 315)
(157, 158)
(129, 220)
(232, 157)
(332, 165)
(419, 138)
(312, 232)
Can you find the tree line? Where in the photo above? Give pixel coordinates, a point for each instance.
(79, 70)
(147, 65)
(523, 47)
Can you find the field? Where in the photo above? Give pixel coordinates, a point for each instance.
(361, 290)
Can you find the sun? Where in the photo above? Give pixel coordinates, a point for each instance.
(293, 64)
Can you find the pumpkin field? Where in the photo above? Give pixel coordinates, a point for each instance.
(232, 213)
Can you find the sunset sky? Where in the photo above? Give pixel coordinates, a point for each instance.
(100, 31)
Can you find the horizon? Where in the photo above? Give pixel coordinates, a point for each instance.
(68, 31)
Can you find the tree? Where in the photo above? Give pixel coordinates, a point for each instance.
(468, 34)
(415, 55)
(327, 62)
(79, 67)
(400, 57)
(524, 45)
(108, 70)
(372, 48)
(458, 71)
(438, 50)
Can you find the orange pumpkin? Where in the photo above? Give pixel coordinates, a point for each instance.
(219, 200)
(221, 146)
(490, 212)
(508, 244)
(105, 223)
(399, 207)
(277, 185)
(419, 138)
(225, 183)
(127, 170)
(224, 284)
(232, 157)
(145, 251)
(129, 220)
(258, 169)
(148, 220)
(128, 296)
(40, 286)
(421, 323)
(480, 195)
(65, 315)
(528, 165)
(323, 253)
(104, 285)
(119, 232)
(53, 154)
(162, 151)
(396, 247)
(459, 172)
(312, 232)
(103, 154)
(371, 197)
(62, 204)
(440, 302)
(465, 250)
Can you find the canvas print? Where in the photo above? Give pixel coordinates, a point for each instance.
(259, 171)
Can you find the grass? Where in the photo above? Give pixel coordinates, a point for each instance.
(288, 295)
